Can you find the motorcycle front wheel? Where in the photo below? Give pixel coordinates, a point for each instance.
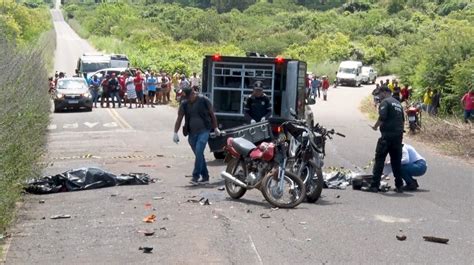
(292, 194)
(314, 181)
(236, 169)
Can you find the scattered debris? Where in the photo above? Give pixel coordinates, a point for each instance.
(163, 228)
(302, 223)
(149, 233)
(130, 199)
(338, 196)
(63, 216)
(41, 201)
(168, 166)
(146, 166)
(204, 202)
(150, 218)
(113, 195)
(249, 211)
(146, 249)
(221, 188)
(264, 215)
(148, 205)
(4, 236)
(158, 198)
(193, 200)
(165, 219)
(275, 209)
(401, 237)
(43, 218)
(436, 239)
(308, 239)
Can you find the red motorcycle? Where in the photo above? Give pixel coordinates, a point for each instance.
(413, 112)
(263, 168)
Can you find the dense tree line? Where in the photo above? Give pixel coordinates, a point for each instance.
(427, 43)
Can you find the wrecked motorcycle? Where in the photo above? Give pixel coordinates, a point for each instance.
(263, 168)
(307, 152)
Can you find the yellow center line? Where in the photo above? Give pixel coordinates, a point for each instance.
(115, 119)
(124, 122)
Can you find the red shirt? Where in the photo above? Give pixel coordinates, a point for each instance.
(468, 100)
(138, 81)
(325, 84)
(121, 80)
(405, 93)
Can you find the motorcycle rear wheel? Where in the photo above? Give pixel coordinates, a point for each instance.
(233, 167)
(296, 190)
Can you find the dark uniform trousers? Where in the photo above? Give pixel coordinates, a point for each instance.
(388, 144)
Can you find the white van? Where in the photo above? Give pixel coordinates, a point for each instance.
(368, 74)
(349, 73)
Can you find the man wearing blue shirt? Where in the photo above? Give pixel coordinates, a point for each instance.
(151, 83)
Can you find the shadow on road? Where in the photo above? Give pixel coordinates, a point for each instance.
(215, 163)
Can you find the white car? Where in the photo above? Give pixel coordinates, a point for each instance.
(368, 74)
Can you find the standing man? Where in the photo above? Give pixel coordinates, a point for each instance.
(131, 92)
(467, 102)
(105, 91)
(195, 82)
(257, 107)
(315, 85)
(114, 90)
(427, 97)
(138, 82)
(151, 83)
(325, 87)
(435, 102)
(199, 120)
(94, 88)
(390, 121)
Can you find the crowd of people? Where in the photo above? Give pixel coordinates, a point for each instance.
(316, 86)
(149, 88)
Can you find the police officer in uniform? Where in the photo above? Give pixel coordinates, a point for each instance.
(390, 122)
(258, 107)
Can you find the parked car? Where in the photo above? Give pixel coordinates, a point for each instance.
(72, 93)
(368, 75)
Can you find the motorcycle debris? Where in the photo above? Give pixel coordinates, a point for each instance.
(308, 239)
(63, 216)
(130, 199)
(221, 188)
(150, 218)
(249, 211)
(205, 202)
(401, 237)
(158, 198)
(193, 200)
(302, 223)
(168, 166)
(149, 233)
(41, 201)
(275, 209)
(146, 249)
(338, 196)
(43, 218)
(113, 195)
(436, 239)
(264, 215)
(163, 228)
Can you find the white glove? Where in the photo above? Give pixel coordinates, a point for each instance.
(263, 119)
(252, 121)
(217, 131)
(175, 138)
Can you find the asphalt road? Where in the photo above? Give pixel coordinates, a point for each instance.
(345, 226)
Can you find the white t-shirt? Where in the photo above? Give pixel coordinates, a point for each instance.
(194, 81)
(129, 82)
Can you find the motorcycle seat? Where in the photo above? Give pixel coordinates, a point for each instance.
(242, 146)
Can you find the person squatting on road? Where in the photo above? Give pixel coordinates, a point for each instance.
(257, 107)
(199, 120)
(413, 165)
(391, 122)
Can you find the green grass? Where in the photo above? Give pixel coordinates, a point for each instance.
(367, 107)
(24, 116)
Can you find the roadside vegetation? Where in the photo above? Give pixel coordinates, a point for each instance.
(449, 135)
(26, 50)
(425, 43)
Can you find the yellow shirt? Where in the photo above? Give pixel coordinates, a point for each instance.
(391, 86)
(427, 98)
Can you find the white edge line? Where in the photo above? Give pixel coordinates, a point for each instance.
(255, 250)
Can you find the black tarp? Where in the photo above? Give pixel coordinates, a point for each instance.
(83, 179)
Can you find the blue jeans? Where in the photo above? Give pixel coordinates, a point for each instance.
(115, 95)
(198, 143)
(95, 96)
(468, 114)
(414, 169)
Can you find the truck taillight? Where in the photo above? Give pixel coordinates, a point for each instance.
(216, 57)
(279, 60)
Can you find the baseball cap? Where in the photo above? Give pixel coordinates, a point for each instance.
(258, 85)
